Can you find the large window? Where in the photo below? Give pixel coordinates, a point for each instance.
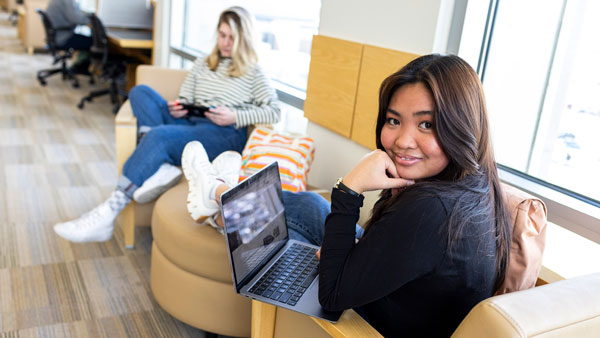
(284, 33)
(538, 61)
(87, 5)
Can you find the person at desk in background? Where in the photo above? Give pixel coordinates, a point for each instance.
(65, 15)
(230, 81)
(438, 239)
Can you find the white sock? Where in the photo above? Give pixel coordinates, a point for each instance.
(212, 192)
(118, 200)
(144, 129)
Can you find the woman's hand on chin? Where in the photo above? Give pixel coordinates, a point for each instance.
(375, 171)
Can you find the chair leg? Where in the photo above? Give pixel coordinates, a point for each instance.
(69, 74)
(124, 96)
(114, 92)
(44, 73)
(118, 96)
(91, 96)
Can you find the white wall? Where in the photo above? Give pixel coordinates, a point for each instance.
(406, 25)
(335, 156)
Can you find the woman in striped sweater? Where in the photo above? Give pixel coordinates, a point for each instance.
(235, 91)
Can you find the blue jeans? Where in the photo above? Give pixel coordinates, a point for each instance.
(305, 214)
(151, 109)
(168, 136)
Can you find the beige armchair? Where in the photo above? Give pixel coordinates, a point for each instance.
(166, 82)
(30, 27)
(567, 308)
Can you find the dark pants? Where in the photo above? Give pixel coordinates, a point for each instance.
(78, 42)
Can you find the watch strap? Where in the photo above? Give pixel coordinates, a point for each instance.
(344, 188)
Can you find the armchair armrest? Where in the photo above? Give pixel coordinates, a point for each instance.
(126, 141)
(349, 325)
(125, 134)
(125, 116)
(567, 308)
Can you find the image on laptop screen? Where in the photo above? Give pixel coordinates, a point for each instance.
(255, 221)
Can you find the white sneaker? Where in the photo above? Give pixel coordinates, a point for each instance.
(202, 177)
(211, 220)
(164, 178)
(228, 166)
(94, 226)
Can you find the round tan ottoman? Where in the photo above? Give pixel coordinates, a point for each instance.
(190, 274)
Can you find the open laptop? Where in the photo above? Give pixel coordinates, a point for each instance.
(266, 264)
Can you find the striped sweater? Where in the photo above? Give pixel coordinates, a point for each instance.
(250, 96)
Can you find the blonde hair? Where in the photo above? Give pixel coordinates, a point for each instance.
(243, 54)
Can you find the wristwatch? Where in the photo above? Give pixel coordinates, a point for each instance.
(342, 187)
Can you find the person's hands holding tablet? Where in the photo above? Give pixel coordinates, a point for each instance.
(221, 116)
(176, 109)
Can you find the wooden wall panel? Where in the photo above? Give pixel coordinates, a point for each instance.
(377, 64)
(332, 83)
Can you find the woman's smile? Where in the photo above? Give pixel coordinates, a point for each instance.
(406, 160)
(408, 136)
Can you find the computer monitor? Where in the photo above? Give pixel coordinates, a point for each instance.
(126, 14)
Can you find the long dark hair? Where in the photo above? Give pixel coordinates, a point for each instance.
(461, 126)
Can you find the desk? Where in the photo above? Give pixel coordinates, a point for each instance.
(133, 43)
(130, 38)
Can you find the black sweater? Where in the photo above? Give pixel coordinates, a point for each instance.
(401, 273)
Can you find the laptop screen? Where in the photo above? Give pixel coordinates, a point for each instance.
(254, 221)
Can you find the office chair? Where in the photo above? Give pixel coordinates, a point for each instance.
(60, 55)
(112, 67)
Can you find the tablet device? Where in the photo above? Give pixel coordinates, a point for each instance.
(194, 111)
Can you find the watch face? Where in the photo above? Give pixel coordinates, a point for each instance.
(337, 183)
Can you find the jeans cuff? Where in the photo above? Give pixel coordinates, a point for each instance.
(126, 186)
(359, 231)
(144, 129)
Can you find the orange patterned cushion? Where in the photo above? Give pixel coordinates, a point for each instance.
(294, 155)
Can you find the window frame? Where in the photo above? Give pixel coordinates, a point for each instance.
(567, 209)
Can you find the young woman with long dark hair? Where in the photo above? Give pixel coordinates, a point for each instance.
(437, 242)
(433, 249)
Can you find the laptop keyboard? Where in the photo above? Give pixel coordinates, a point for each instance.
(256, 256)
(287, 279)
